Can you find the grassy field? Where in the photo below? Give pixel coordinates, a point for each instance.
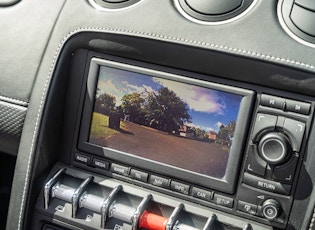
(99, 127)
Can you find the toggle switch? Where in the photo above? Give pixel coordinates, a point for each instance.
(129, 214)
(122, 212)
(62, 192)
(48, 186)
(91, 202)
(152, 221)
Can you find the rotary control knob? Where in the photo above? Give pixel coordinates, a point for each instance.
(274, 148)
(271, 209)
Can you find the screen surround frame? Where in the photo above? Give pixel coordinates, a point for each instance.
(226, 184)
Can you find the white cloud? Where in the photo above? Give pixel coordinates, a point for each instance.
(107, 87)
(219, 124)
(198, 98)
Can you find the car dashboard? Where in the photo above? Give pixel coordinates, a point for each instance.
(146, 114)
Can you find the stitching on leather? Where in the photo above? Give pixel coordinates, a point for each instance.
(312, 221)
(205, 44)
(152, 35)
(29, 163)
(13, 100)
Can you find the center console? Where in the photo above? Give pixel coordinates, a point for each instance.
(155, 147)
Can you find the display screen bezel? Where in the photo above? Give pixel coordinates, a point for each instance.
(227, 184)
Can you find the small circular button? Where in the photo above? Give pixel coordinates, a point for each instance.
(271, 209)
(274, 148)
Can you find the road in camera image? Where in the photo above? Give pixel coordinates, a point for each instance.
(193, 155)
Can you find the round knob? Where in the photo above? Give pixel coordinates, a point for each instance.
(271, 209)
(274, 148)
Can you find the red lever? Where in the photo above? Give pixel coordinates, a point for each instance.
(152, 221)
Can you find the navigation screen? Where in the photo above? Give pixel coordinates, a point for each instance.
(170, 122)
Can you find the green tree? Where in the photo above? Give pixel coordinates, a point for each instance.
(167, 110)
(227, 132)
(132, 105)
(201, 134)
(105, 104)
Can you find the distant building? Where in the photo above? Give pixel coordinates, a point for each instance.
(186, 131)
(212, 135)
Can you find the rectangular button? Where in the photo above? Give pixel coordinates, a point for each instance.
(298, 107)
(223, 201)
(100, 164)
(119, 169)
(179, 187)
(272, 101)
(159, 181)
(82, 158)
(247, 207)
(266, 185)
(202, 194)
(138, 175)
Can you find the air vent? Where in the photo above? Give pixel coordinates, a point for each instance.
(4, 3)
(213, 11)
(297, 17)
(112, 4)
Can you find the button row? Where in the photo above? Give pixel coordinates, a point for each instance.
(88, 160)
(174, 185)
(158, 181)
(285, 104)
(111, 208)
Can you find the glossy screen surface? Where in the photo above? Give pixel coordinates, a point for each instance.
(173, 123)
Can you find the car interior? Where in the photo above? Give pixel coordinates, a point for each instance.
(157, 114)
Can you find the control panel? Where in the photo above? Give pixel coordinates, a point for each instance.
(273, 154)
(91, 202)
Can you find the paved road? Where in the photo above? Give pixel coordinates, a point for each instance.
(201, 157)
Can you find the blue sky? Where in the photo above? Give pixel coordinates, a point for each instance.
(208, 108)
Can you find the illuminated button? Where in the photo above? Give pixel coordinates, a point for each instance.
(202, 194)
(272, 101)
(82, 158)
(223, 201)
(159, 181)
(247, 207)
(119, 169)
(266, 185)
(138, 175)
(100, 164)
(179, 187)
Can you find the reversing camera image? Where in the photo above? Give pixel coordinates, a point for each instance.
(174, 123)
